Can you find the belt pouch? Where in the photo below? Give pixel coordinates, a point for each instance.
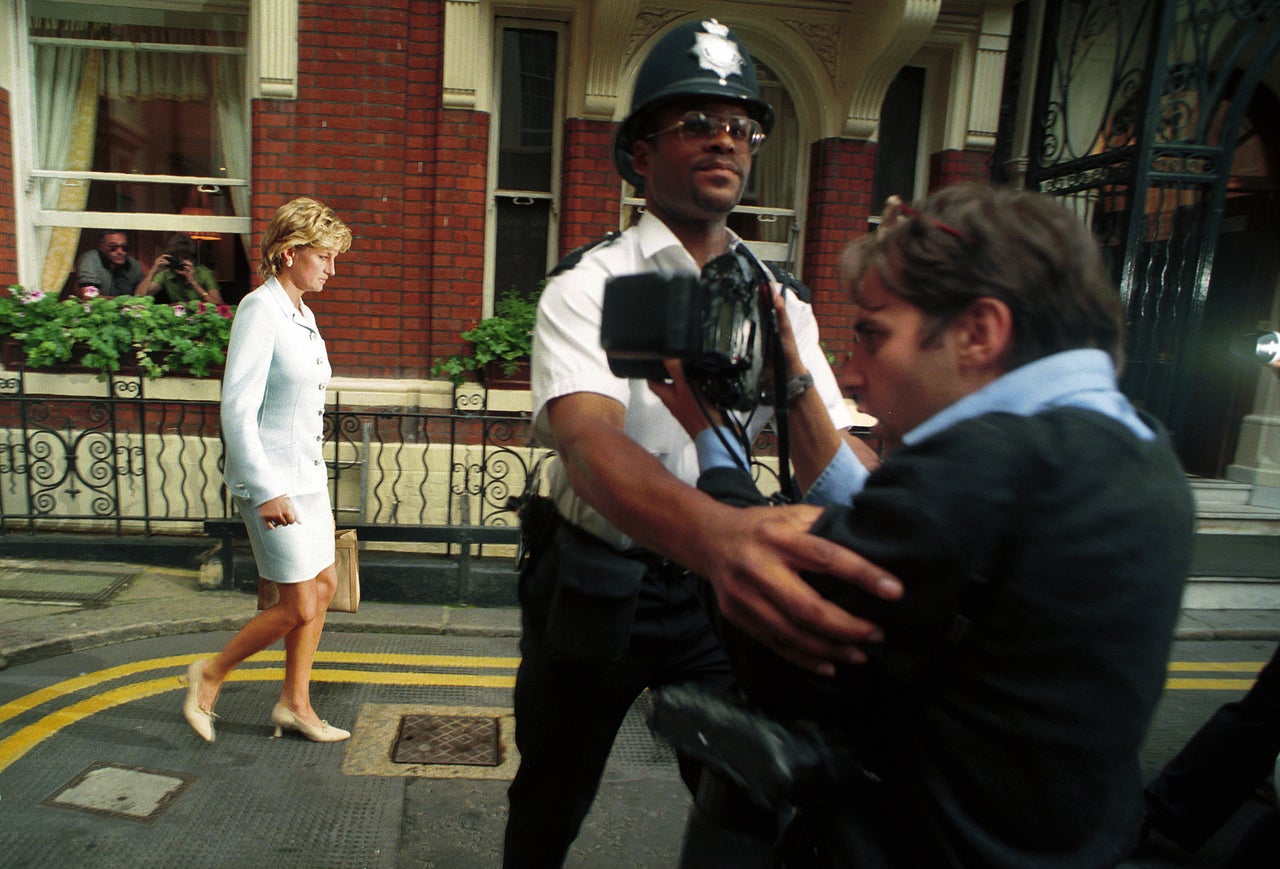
(594, 602)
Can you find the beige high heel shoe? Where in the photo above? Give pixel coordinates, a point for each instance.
(200, 719)
(284, 719)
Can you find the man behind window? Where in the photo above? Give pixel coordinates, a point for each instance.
(109, 267)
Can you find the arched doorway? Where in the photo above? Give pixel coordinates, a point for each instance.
(1140, 109)
(1241, 296)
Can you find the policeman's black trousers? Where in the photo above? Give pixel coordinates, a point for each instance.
(568, 714)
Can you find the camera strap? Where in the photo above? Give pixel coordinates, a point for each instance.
(781, 407)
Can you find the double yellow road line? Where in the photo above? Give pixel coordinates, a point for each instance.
(1249, 669)
(419, 670)
(393, 669)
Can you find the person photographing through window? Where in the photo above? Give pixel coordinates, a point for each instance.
(178, 277)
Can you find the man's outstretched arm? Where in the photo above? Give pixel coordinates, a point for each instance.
(753, 558)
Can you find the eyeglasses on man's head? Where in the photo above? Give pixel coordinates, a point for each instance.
(698, 126)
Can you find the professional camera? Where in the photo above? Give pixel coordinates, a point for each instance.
(717, 322)
(1260, 347)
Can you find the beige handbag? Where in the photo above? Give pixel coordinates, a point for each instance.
(346, 599)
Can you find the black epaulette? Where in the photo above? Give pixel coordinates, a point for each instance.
(792, 283)
(575, 256)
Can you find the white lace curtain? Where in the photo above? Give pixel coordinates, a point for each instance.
(69, 79)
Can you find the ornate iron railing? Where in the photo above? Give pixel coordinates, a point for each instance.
(129, 456)
(1140, 107)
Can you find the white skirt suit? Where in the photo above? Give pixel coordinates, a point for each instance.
(272, 413)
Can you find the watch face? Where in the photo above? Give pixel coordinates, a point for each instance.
(799, 385)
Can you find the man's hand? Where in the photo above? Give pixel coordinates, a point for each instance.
(691, 410)
(753, 559)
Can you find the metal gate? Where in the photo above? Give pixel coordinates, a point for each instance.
(1139, 107)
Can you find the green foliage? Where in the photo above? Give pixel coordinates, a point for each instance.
(505, 338)
(104, 333)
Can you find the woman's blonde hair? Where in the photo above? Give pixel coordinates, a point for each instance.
(301, 222)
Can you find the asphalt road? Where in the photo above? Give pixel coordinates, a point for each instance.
(97, 768)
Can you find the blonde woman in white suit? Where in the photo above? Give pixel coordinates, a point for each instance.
(272, 426)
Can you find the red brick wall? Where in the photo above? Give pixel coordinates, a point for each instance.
(457, 271)
(591, 188)
(955, 167)
(8, 238)
(363, 137)
(840, 179)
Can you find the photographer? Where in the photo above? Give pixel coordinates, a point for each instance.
(606, 609)
(177, 277)
(1042, 530)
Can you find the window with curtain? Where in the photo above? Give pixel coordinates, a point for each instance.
(526, 148)
(766, 217)
(140, 125)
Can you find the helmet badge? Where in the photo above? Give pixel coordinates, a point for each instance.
(716, 52)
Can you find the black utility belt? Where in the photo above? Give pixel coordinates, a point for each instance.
(653, 562)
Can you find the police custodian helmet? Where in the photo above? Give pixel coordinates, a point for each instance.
(700, 59)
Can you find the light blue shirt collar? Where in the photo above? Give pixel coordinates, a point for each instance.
(1074, 378)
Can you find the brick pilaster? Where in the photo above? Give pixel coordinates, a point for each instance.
(8, 213)
(591, 188)
(956, 167)
(840, 182)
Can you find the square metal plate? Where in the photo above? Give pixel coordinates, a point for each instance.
(447, 739)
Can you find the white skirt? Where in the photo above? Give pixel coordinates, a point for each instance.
(297, 552)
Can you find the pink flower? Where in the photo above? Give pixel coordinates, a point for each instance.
(29, 297)
(179, 311)
(224, 311)
(90, 292)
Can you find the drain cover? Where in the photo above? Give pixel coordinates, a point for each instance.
(447, 739)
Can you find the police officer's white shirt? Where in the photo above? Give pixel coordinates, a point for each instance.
(567, 358)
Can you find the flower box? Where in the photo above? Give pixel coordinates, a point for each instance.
(104, 336)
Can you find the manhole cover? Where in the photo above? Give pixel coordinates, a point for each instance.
(121, 791)
(447, 739)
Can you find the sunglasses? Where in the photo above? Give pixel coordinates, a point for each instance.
(700, 126)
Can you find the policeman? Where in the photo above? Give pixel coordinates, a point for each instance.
(606, 610)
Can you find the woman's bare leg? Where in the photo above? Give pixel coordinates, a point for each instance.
(300, 646)
(296, 605)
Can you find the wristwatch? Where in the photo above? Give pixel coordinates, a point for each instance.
(798, 386)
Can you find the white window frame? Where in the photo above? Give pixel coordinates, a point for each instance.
(29, 216)
(492, 191)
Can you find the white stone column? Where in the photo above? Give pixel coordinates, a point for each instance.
(273, 56)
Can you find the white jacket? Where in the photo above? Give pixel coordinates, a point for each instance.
(273, 396)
